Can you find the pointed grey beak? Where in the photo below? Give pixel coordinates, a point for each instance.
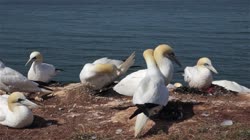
(29, 104)
(173, 58)
(28, 62)
(212, 69)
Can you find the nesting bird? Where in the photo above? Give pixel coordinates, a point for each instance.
(200, 76)
(164, 56)
(39, 71)
(15, 110)
(104, 71)
(11, 80)
(151, 94)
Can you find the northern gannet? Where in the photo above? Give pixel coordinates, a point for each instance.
(231, 85)
(11, 80)
(15, 110)
(99, 74)
(39, 71)
(151, 94)
(164, 55)
(200, 76)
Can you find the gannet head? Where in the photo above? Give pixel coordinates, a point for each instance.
(18, 99)
(35, 56)
(165, 50)
(206, 62)
(104, 68)
(148, 54)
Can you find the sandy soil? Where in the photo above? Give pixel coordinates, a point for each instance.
(74, 112)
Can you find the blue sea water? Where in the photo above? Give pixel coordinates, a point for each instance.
(70, 33)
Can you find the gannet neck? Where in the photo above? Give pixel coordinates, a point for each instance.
(162, 58)
(104, 68)
(149, 58)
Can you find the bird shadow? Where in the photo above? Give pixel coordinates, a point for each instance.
(40, 122)
(174, 112)
(108, 92)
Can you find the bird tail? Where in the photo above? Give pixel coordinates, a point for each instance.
(141, 120)
(127, 64)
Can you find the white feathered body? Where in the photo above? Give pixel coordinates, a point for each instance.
(231, 85)
(97, 80)
(11, 80)
(151, 89)
(41, 72)
(128, 85)
(104, 71)
(19, 118)
(198, 77)
(106, 60)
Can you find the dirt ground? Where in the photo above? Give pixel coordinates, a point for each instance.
(76, 113)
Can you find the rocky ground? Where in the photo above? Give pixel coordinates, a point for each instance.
(76, 113)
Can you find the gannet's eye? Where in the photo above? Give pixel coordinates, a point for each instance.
(172, 54)
(206, 64)
(20, 100)
(34, 58)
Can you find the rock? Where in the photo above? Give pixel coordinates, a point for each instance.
(60, 108)
(205, 114)
(118, 131)
(227, 123)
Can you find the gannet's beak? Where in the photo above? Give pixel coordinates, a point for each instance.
(173, 58)
(29, 104)
(210, 67)
(28, 62)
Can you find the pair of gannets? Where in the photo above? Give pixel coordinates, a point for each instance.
(104, 71)
(15, 110)
(39, 71)
(11, 80)
(163, 55)
(151, 94)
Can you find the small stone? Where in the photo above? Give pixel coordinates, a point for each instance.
(118, 131)
(205, 114)
(60, 108)
(93, 137)
(227, 123)
(39, 99)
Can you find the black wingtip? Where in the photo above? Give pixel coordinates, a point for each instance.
(137, 111)
(40, 83)
(41, 86)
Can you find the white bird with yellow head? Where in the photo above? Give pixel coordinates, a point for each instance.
(39, 71)
(15, 110)
(101, 73)
(200, 76)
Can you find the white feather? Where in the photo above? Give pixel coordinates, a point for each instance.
(99, 80)
(21, 116)
(231, 85)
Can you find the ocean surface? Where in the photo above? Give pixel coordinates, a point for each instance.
(70, 33)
